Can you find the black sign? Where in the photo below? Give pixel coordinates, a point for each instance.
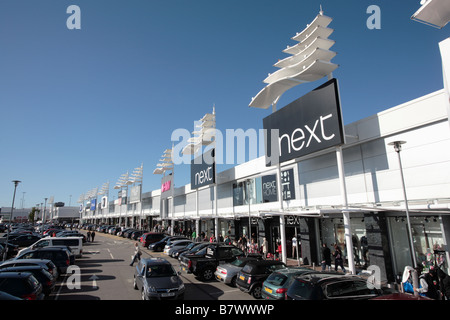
(309, 124)
(203, 170)
(287, 184)
(269, 188)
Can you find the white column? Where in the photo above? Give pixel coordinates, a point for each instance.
(345, 212)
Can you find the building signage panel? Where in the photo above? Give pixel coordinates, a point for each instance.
(135, 194)
(104, 202)
(203, 170)
(93, 204)
(287, 184)
(269, 188)
(166, 186)
(307, 125)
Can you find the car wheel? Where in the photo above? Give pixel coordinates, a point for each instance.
(207, 274)
(134, 283)
(143, 296)
(256, 292)
(233, 281)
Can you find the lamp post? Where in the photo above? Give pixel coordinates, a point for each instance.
(43, 215)
(398, 147)
(16, 183)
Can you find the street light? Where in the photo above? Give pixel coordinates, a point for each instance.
(16, 183)
(398, 147)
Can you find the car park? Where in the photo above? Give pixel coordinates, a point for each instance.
(325, 286)
(58, 256)
(21, 284)
(254, 273)
(277, 284)
(44, 277)
(227, 272)
(156, 279)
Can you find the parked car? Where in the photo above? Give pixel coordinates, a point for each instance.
(6, 296)
(176, 253)
(173, 245)
(75, 244)
(325, 286)
(400, 296)
(252, 276)
(156, 279)
(45, 278)
(227, 272)
(58, 256)
(24, 240)
(277, 284)
(12, 250)
(151, 237)
(205, 266)
(21, 284)
(159, 246)
(200, 249)
(136, 234)
(45, 263)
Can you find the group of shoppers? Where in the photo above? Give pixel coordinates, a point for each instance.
(326, 258)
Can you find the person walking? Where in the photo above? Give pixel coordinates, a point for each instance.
(88, 236)
(137, 254)
(92, 235)
(326, 257)
(427, 287)
(338, 260)
(265, 248)
(444, 284)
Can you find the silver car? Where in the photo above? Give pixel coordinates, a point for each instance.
(156, 279)
(227, 273)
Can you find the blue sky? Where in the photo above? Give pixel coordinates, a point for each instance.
(81, 107)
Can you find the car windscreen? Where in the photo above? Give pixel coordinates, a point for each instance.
(239, 263)
(277, 279)
(163, 270)
(301, 290)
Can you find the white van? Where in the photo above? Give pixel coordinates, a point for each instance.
(75, 244)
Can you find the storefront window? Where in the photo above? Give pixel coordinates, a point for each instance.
(333, 232)
(427, 237)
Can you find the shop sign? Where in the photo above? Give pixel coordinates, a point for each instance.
(203, 170)
(292, 220)
(269, 188)
(93, 204)
(166, 186)
(307, 125)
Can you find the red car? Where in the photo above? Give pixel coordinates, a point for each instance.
(151, 237)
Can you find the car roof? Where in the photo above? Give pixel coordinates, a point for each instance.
(154, 261)
(37, 267)
(45, 261)
(181, 240)
(321, 277)
(264, 262)
(15, 274)
(294, 270)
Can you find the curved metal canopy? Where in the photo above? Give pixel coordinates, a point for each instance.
(310, 60)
